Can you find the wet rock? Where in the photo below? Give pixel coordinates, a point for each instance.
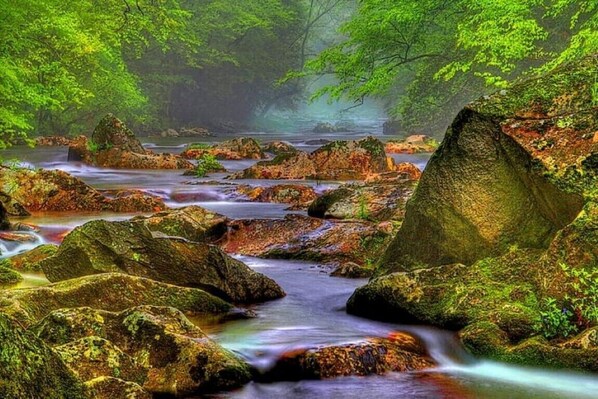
(108, 291)
(378, 200)
(29, 261)
(55, 190)
(4, 222)
(279, 147)
(414, 144)
(30, 369)
(338, 160)
(52, 141)
(179, 358)
(235, 149)
(294, 194)
(111, 388)
(500, 290)
(131, 247)
(113, 145)
(401, 353)
(300, 237)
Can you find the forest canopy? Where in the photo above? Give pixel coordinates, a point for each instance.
(216, 63)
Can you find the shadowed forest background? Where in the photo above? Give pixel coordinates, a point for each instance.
(230, 65)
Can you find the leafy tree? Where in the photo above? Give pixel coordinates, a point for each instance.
(427, 58)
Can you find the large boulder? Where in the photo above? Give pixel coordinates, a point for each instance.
(156, 347)
(30, 369)
(56, 190)
(111, 132)
(133, 248)
(338, 160)
(499, 239)
(113, 145)
(108, 291)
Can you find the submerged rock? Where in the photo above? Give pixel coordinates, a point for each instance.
(30, 369)
(108, 291)
(113, 145)
(156, 347)
(133, 248)
(501, 230)
(56, 190)
(401, 353)
(338, 160)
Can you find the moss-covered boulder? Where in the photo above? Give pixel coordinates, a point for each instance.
(401, 353)
(108, 291)
(30, 369)
(162, 349)
(131, 247)
(112, 132)
(499, 239)
(338, 160)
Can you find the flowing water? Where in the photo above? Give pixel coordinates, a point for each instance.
(313, 312)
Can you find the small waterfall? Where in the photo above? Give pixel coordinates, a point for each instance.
(12, 248)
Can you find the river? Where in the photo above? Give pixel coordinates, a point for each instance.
(313, 312)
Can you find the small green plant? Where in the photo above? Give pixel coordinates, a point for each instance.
(363, 211)
(206, 164)
(136, 257)
(579, 308)
(556, 320)
(565, 122)
(92, 146)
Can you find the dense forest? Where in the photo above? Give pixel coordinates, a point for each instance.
(220, 64)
